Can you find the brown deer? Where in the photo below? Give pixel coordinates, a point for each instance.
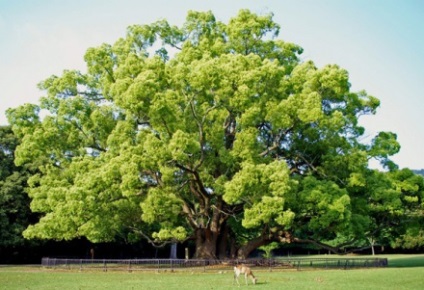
(242, 269)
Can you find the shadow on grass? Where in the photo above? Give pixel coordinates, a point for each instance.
(405, 262)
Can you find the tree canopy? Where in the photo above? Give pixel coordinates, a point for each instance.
(216, 132)
(15, 214)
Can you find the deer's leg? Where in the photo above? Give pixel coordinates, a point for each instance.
(236, 279)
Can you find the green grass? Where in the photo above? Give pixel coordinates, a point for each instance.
(404, 272)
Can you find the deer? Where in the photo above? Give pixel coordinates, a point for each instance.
(243, 269)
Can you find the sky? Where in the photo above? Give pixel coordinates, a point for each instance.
(379, 42)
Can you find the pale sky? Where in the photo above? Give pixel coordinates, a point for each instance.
(379, 42)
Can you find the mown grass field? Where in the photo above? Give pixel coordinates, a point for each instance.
(404, 272)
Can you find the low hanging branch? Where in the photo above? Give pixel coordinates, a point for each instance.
(156, 243)
(316, 243)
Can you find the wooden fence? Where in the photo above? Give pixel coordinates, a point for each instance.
(211, 265)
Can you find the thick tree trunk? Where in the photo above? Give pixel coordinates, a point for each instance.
(206, 244)
(264, 239)
(214, 244)
(223, 242)
(233, 249)
(213, 232)
(246, 249)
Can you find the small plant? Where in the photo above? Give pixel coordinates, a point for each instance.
(268, 249)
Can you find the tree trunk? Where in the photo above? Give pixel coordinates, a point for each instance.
(223, 242)
(173, 251)
(233, 249)
(212, 236)
(206, 243)
(372, 243)
(246, 249)
(372, 250)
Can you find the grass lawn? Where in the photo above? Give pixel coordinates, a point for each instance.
(405, 272)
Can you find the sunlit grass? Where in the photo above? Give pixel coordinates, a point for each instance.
(404, 272)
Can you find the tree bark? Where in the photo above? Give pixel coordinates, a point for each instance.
(212, 234)
(372, 243)
(223, 242)
(206, 242)
(244, 251)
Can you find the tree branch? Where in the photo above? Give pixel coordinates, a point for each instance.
(316, 243)
(154, 243)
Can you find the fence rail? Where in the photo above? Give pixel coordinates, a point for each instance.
(211, 265)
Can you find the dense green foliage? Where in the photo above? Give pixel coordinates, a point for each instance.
(15, 214)
(215, 132)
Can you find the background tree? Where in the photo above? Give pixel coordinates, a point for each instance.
(387, 206)
(268, 249)
(15, 214)
(210, 131)
(406, 228)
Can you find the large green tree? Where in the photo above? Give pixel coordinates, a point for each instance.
(211, 131)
